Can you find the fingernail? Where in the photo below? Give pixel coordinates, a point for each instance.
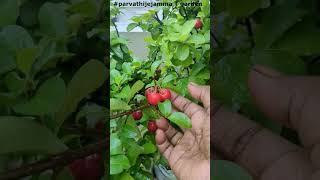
(266, 71)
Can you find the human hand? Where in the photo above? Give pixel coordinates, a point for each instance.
(188, 152)
(292, 101)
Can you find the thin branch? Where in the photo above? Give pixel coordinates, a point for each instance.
(250, 31)
(185, 12)
(156, 17)
(52, 162)
(115, 26)
(129, 112)
(215, 39)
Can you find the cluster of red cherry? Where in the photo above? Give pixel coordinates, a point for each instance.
(153, 97)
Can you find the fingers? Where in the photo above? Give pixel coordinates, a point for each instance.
(196, 113)
(248, 144)
(171, 133)
(292, 101)
(185, 105)
(201, 93)
(164, 146)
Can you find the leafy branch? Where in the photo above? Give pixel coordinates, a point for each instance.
(58, 160)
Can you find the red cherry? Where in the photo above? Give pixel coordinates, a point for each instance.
(137, 115)
(198, 24)
(89, 168)
(154, 98)
(165, 94)
(148, 91)
(152, 126)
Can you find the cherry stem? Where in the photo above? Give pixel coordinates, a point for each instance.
(155, 85)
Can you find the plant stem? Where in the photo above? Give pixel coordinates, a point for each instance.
(129, 112)
(215, 39)
(115, 26)
(250, 31)
(59, 160)
(156, 17)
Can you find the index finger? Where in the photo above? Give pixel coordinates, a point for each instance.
(201, 93)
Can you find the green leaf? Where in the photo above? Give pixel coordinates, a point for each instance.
(149, 148)
(9, 12)
(125, 176)
(87, 79)
(115, 145)
(197, 39)
(149, 113)
(131, 26)
(87, 8)
(182, 52)
(7, 57)
(187, 27)
(127, 68)
(14, 82)
(29, 12)
(124, 92)
(281, 61)
(165, 108)
(136, 87)
(155, 66)
(243, 9)
(301, 39)
(133, 149)
(227, 170)
(17, 37)
(129, 131)
(53, 19)
(283, 17)
(26, 58)
(92, 110)
(48, 98)
(117, 51)
(117, 104)
(180, 119)
(118, 163)
(168, 78)
(50, 51)
(230, 79)
(24, 135)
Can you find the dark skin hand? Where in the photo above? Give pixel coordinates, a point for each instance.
(292, 101)
(188, 152)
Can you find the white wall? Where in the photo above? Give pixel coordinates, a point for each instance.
(136, 36)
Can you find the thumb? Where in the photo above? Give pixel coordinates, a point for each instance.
(270, 93)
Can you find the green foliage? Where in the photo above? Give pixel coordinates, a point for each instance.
(50, 80)
(178, 54)
(278, 34)
(225, 170)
